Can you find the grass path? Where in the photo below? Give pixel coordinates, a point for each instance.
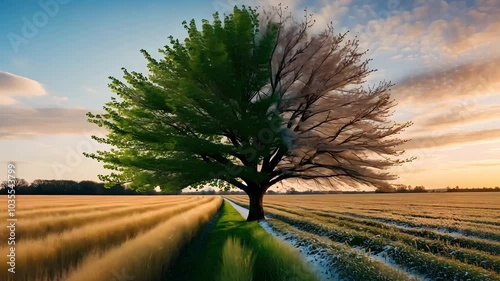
(274, 261)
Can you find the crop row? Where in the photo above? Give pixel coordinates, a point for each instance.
(148, 256)
(344, 262)
(57, 253)
(479, 231)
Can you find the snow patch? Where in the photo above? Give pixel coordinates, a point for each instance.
(316, 258)
(384, 258)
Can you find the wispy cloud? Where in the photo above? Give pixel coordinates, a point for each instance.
(474, 79)
(432, 29)
(459, 116)
(12, 86)
(453, 139)
(24, 122)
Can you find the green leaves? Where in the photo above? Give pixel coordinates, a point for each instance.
(171, 128)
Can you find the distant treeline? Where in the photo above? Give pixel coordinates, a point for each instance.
(402, 188)
(483, 189)
(68, 187)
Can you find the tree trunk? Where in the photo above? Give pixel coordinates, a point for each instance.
(256, 211)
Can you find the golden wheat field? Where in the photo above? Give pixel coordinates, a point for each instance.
(101, 237)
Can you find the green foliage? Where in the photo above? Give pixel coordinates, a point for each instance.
(171, 128)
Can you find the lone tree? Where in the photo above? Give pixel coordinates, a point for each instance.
(248, 101)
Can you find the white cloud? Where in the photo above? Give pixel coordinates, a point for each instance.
(13, 86)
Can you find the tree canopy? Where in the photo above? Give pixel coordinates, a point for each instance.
(246, 101)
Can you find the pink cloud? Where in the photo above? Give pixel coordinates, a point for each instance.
(26, 122)
(12, 86)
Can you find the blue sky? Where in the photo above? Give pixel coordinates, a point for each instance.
(56, 56)
(84, 42)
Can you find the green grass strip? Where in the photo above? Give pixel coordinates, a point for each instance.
(272, 259)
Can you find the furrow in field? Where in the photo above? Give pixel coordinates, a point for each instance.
(36, 228)
(440, 248)
(459, 206)
(65, 211)
(356, 202)
(57, 204)
(440, 235)
(57, 201)
(433, 220)
(398, 211)
(149, 255)
(366, 229)
(482, 221)
(476, 205)
(377, 243)
(473, 218)
(481, 232)
(443, 208)
(44, 199)
(341, 261)
(61, 201)
(435, 234)
(61, 211)
(57, 252)
(486, 246)
(24, 207)
(423, 263)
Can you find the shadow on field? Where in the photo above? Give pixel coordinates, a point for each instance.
(181, 270)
